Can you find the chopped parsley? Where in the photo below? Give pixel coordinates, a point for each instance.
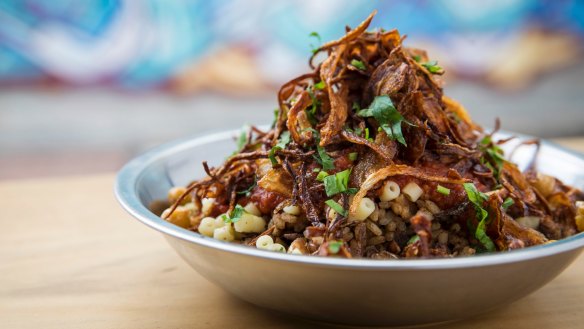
(414, 239)
(247, 191)
(353, 156)
(477, 198)
(358, 65)
(352, 190)
(324, 159)
(481, 235)
(508, 203)
(317, 37)
(276, 111)
(242, 137)
(320, 86)
(335, 246)
(367, 135)
(337, 183)
(492, 155)
(282, 142)
(443, 190)
(235, 214)
(417, 58)
(336, 207)
(387, 116)
(321, 175)
(311, 112)
(432, 66)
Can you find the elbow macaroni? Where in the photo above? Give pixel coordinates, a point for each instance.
(180, 217)
(175, 193)
(365, 208)
(390, 191)
(278, 247)
(250, 224)
(224, 233)
(412, 191)
(253, 209)
(264, 242)
(529, 221)
(207, 226)
(292, 210)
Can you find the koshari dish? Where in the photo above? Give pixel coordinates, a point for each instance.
(368, 158)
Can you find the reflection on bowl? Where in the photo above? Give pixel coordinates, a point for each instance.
(347, 291)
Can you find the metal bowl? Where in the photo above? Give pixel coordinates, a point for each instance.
(347, 291)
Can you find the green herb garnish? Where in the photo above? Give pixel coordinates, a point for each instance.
(282, 142)
(432, 66)
(272, 156)
(247, 191)
(481, 235)
(358, 64)
(443, 190)
(336, 207)
(477, 198)
(417, 58)
(311, 112)
(242, 137)
(276, 111)
(337, 183)
(320, 85)
(330, 185)
(367, 135)
(316, 36)
(414, 239)
(387, 116)
(493, 155)
(508, 203)
(235, 214)
(352, 190)
(353, 156)
(310, 115)
(324, 159)
(335, 246)
(321, 175)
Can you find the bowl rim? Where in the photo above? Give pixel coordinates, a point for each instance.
(126, 193)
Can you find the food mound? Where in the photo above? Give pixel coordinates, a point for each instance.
(368, 158)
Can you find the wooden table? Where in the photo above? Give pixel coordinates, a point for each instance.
(71, 258)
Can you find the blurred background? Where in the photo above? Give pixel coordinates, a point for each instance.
(86, 85)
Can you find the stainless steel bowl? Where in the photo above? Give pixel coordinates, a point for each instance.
(347, 291)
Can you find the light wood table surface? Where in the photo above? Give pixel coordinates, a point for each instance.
(71, 258)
